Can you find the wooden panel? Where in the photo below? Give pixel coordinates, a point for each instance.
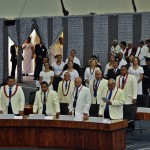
(142, 116)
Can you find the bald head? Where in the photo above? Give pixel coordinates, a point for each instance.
(111, 84)
(67, 76)
(78, 81)
(98, 74)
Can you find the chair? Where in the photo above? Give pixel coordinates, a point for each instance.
(129, 112)
(32, 97)
(64, 108)
(94, 109)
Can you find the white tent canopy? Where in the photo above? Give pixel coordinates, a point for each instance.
(35, 8)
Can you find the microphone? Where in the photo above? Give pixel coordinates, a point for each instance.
(65, 12)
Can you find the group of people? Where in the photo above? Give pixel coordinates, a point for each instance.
(118, 85)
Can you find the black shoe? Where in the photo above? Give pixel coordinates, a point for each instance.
(23, 74)
(26, 74)
(35, 79)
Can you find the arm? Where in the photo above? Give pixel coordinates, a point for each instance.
(59, 91)
(134, 87)
(40, 79)
(1, 101)
(35, 105)
(85, 76)
(140, 78)
(22, 101)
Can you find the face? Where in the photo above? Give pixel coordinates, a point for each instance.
(135, 61)
(111, 58)
(70, 58)
(122, 46)
(148, 44)
(93, 63)
(148, 62)
(77, 83)
(123, 71)
(70, 64)
(46, 65)
(66, 76)
(141, 45)
(59, 58)
(44, 87)
(45, 60)
(98, 75)
(111, 85)
(130, 45)
(120, 55)
(114, 44)
(61, 41)
(131, 57)
(115, 64)
(11, 82)
(73, 54)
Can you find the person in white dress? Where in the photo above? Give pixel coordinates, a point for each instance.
(28, 55)
(58, 70)
(74, 73)
(137, 71)
(47, 75)
(89, 73)
(109, 65)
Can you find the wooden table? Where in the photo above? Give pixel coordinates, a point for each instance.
(143, 113)
(63, 134)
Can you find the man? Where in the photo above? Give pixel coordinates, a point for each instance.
(46, 101)
(40, 52)
(57, 49)
(123, 46)
(142, 52)
(97, 86)
(114, 72)
(115, 49)
(146, 76)
(128, 84)
(113, 107)
(75, 66)
(75, 59)
(121, 60)
(81, 100)
(12, 99)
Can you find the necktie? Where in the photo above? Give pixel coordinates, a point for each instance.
(9, 105)
(44, 104)
(139, 52)
(109, 98)
(66, 85)
(95, 88)
(75, 100)
(122, 82)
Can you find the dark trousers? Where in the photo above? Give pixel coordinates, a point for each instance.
(38, 69)
(14, 64)
(106, 114)
(56, 82)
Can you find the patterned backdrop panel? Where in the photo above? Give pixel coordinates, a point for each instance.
(145, 26)
(1, 51)
(76, 36)
(100, 38)
(43, 29)
(125, 28)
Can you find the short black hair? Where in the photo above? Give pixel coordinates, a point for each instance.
(46, 57)
(10, 77)
(94, 56)
(44, 82)
(73, 50)
(125, 66)
(123, 43)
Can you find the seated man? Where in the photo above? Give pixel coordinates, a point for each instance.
(113, 107)
(46, 101)
(12, 99)
(81, 100)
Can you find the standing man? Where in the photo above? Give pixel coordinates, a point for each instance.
(128, 84)
(121, 60)
(81, 100)
(12, 99)
(46, 101)
(40, 52)
(113, 107)
(115, 49)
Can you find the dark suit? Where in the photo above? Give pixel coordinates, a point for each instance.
(133, 52)
(113, 74)
(146, 79)
(40, 52)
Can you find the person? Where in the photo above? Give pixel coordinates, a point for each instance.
(75, 59)
(65, 89)
(115, 49)
(146, 77)
(45, 60)
(142, 52)
(47, 75)
(109, 65)
(128, 84)
(131, 50)
(12, 100)
(98, 63)
(114, 72)
(81, 100)
(75, 66)
(28, 55)
(97, 86)
(130, 61)
(57, 49)
(89, 73)
(113, 107)
(58, 70)
(74, 74)
(46, 101)
(137, 71)
(123, 46)
(121, 60)
(40, 53)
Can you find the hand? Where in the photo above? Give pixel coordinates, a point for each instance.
(100, 115)
(70, 113)
(109, 102)
(134, 101)
(21, 113)
(85, 116)
(57, 115)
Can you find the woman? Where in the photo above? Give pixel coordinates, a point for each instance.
(47, 75)
(58, 70)
(110, 64)
(28, 55)
(73, 73)
(137, 71)
(89, 73)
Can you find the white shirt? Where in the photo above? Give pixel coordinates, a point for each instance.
(46, 76)
(115, 50)
(74, 74)
(123, 52)
(106, 69)
(75, 60)
(58, 69)
(121, 63)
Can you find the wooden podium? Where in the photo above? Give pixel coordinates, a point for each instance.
(63, 134)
